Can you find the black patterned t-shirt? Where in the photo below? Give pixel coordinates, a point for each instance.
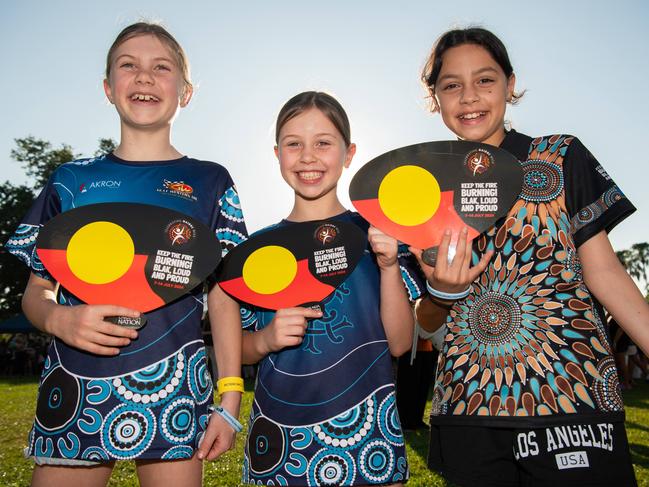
(528, 346)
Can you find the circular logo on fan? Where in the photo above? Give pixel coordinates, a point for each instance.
(478, 162)
(326, 233)
(179, 232)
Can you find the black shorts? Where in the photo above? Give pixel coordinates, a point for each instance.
(584, 455)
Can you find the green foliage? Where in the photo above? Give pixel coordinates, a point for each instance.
(105, 146)
(14, 203)
(39, 159)
(636, 261)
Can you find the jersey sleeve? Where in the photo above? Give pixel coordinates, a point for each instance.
(411, 275)
(229, 224)
(593, 200)
(22, 243)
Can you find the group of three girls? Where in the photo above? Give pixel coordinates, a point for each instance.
(525, 358)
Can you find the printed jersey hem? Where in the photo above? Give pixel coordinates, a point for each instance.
(528, 422)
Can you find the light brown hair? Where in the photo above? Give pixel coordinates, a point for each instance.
(324, 102)
(162, 34)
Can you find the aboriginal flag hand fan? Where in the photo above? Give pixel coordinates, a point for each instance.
(128, 254)
(415, 193)
(293, 265)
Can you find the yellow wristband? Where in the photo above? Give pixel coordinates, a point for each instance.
(227, 384)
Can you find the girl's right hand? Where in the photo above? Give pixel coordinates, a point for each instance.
(83, 326)
(287, 328)
(454, 276)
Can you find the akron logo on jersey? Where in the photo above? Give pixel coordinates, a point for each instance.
(108, 183)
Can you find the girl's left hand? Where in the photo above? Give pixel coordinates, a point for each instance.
(219, 436)
(383, 246)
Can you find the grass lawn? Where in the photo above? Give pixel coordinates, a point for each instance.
(19, 398)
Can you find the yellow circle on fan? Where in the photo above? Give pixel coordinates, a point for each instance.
(269, 269)
(409, 195)
(100, 252)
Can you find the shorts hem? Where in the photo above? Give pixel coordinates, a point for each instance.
(64, 462)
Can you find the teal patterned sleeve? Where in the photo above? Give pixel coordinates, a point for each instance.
(22, 243)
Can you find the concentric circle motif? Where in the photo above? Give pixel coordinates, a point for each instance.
(155, 384)
(248, 317)
(349, 428)
(331, 467)
(376, 461)
(199, 378)
(177, 422)
(607, 390)
(586, 215)
(94, 454)
(612, 196)
(266, 446)
(59, 400)
(178, 452)
(126, 433)
(494, 318)
(388, 420)
(542, 181)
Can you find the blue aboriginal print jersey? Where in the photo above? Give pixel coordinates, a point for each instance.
(151, 400)
(324, 412)
(528, 346)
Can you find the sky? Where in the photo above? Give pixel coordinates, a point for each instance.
(584, 66)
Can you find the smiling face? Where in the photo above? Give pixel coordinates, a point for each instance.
(145, 84)
(312, 155)
(472, 91)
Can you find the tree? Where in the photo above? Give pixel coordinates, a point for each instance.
(39, 161)
(636, 261)
(105, 146)
(14, 203)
